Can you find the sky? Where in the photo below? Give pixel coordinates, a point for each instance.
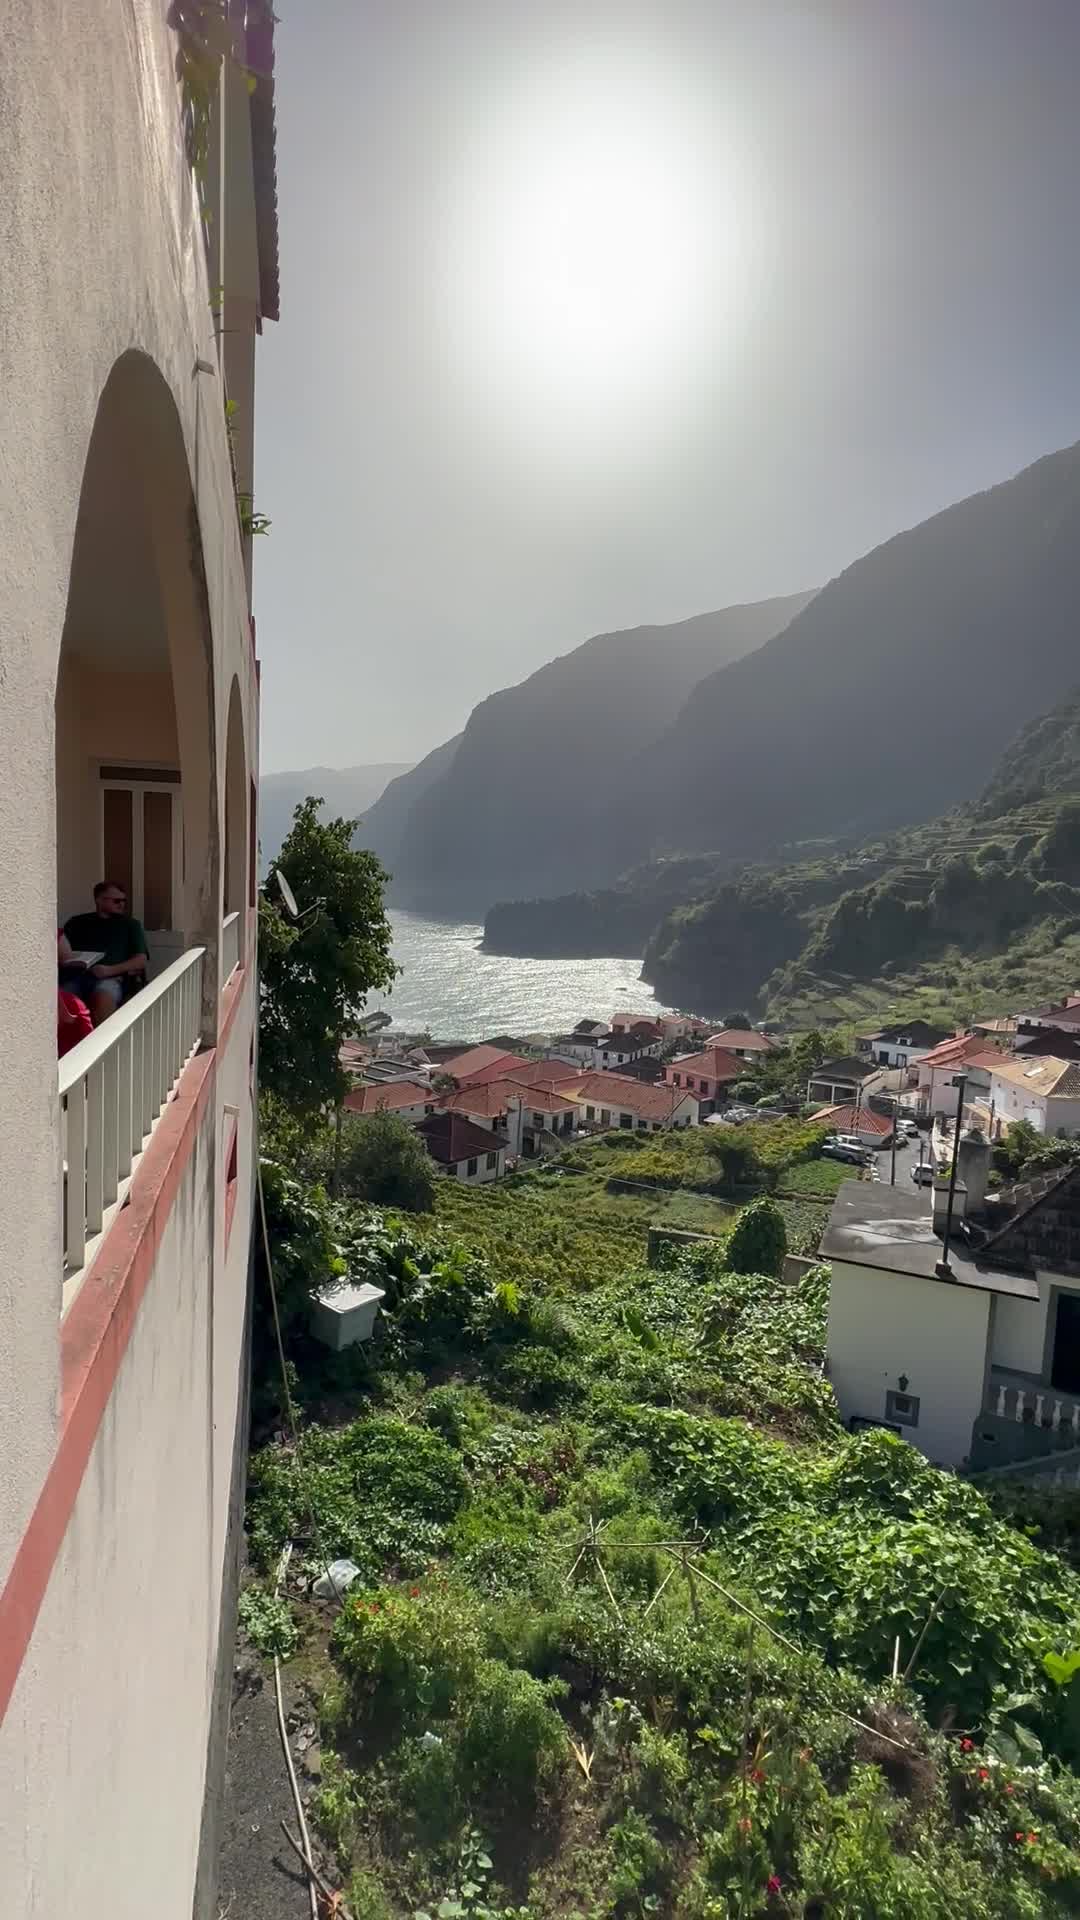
(597, 314)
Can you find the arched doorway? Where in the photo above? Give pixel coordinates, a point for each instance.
(233, 925)
(135, 758)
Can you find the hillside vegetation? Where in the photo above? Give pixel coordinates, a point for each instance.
(959, 911)
(628, 1600)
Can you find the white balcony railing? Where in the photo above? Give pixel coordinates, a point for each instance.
(113, 1086)
(1040, 1407)
(230, 946)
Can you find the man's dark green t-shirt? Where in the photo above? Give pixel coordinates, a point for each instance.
(115, 936)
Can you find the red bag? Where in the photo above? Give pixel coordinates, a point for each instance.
(73, 1021)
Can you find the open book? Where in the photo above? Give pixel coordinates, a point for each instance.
(84, 960)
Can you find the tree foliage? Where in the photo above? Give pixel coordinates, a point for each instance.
(382, 1160)
(315, 977)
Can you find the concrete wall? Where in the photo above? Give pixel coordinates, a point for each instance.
(882, 1325)
(103, 1746)
(1018, 1334)
(483, 1173)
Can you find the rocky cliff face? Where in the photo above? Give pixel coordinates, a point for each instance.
(537, 799)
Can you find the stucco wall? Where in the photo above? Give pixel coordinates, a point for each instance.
(103, 1748)
(882, 1325)
(101, 717)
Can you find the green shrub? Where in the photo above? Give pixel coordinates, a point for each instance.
(758, 1240)
(409, 1653)
(512, 1739)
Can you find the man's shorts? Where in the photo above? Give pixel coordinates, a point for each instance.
(78, 981)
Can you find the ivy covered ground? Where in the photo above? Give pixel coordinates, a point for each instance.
(631, 1602)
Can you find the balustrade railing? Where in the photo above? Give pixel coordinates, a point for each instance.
(230, 946)
(113, 1086)
(1040, 1407)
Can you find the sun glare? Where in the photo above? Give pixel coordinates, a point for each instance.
(593, 232)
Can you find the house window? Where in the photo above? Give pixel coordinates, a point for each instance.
(590, 1113)
(626, 1119)
(605, 1116)
(675, 1081)
(492, 1160)
(903, 1408)
(689, 1083)
(470, 1169)
(643, 1126)
(538, 1120)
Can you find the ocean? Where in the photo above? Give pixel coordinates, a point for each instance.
(451, 990)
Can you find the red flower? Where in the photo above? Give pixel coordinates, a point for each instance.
(414, 1593)
(1008, 1786)
(1018, 1837)
(967, 1746)
(772, 1884)
(1031, 1839)
(984, 1773)
(745, 1826)
(758, 1777)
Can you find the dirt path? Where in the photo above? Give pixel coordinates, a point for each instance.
(259, 1876)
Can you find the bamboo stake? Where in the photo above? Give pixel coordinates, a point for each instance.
(930, 1618)
(670, 1575)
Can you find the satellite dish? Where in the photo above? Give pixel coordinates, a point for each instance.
(288, 897)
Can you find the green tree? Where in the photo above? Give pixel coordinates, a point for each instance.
(758, 1240)
(382, 1160)
(315, 977)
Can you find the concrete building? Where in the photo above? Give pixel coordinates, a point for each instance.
(1043, 1090)
(902, 1045)
(969, 1054)
(615, 1100)
(463, 1151)
(128, 740)
(409, 1099)
(707, 1075)
(976, 1362)
(843, 1081)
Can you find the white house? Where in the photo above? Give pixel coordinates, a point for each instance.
(462, 1151)
(901, 1045)
(134, 296)
(1042, 1089)
(617, 1100)
(627, 1046)
(409, 1099)
(977, 1363)
(969, 1054)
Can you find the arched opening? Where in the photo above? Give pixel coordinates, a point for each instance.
(135, 779)
(236, 783)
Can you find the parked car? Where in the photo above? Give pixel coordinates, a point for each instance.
(851, 1152)
(923, 1175)
(909, 1127)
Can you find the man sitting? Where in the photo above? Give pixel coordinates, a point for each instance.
(121, 942)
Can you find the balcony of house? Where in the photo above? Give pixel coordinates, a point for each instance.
(136, 764)
(1023, 1420)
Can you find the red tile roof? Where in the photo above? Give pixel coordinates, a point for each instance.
(477, 1064)
(544, 1099)
(617, 1090)
(451, 1138)
(738, 1037)
(715, 1063)
(388, 1097)
(964, 1049)
(486, 1101)
(551, 1073)
(854, 1120)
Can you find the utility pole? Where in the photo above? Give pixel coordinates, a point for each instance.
(895, 1128)
(943, 1269)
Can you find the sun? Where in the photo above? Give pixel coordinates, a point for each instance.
(592, 232)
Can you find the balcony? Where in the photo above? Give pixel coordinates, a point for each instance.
(113, 1088)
